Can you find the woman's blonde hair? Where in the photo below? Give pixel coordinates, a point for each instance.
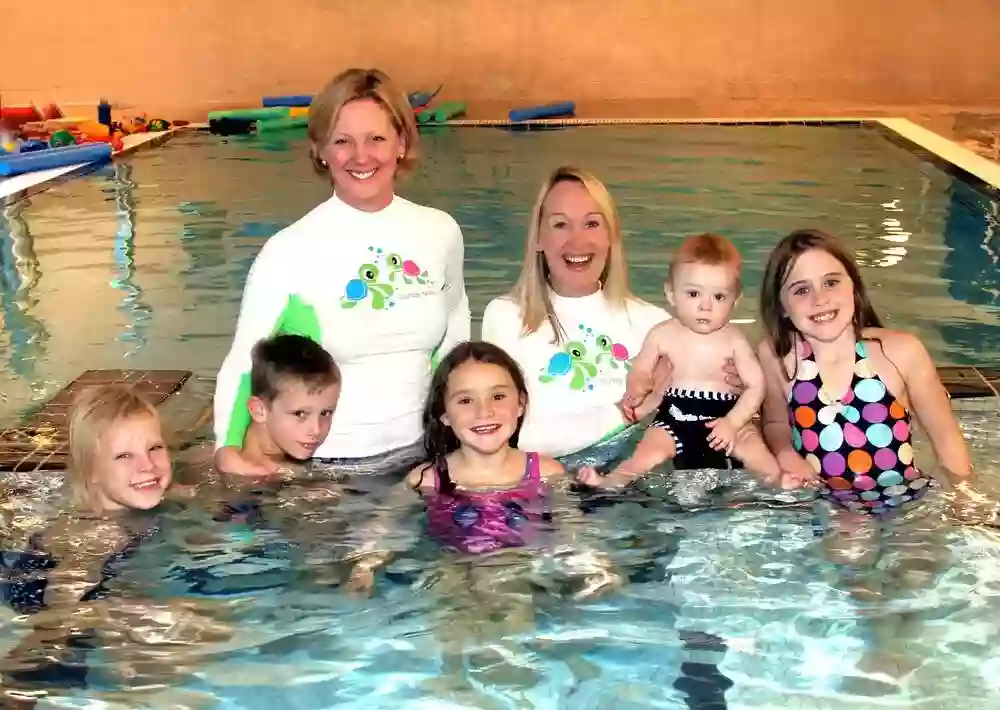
(531, 292)
(352, 85)
(95, 410)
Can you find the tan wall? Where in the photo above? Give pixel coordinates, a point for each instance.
(692, 56)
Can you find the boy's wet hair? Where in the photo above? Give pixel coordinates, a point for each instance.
(284, 358)
(710, 250)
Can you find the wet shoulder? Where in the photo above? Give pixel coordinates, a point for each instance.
(898, 346)
(421, 477)
(892, 353)
(549, 467)
(772, 364)
(736, 336)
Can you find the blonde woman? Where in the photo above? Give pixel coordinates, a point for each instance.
(570, 321)
(374, 278)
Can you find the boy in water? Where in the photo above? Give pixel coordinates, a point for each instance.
(700, 423)
(294, 387)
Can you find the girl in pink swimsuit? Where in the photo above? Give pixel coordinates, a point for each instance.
(481, 492)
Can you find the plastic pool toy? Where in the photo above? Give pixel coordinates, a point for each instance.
(11, 165)
(231, 126)
(61, 138)
(282, 124)
(286, 101)
(253, 114)
(420, 99)
(442, 112)
(554, 110)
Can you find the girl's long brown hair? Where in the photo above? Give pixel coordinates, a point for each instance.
(777, 326)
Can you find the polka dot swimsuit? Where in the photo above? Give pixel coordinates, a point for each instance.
(859, 443)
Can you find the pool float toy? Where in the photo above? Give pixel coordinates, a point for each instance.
(93, 130)
(9, 143)
(282, 124)
(231, 126)
(52, 111)
(115, 141)
(420, 99)
(442, 112)
(45, 129)
(254, 114)
(61, 138)
(554, 110)
(285, 101)
(104, 113)
(11, 165)
(33, 145)
(131, 124)
(17, 116)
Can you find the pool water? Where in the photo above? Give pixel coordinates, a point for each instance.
(144, 261)
(729, 597)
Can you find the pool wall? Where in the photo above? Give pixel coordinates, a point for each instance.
(649, 57)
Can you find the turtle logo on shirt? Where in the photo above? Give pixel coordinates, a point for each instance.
(571, 361)
(383, 280)
(612, 353)
(365, 287)
(582, 366)
(406, 269)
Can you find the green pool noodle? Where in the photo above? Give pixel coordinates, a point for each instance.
(442, 112)
(252, 114)
(298, 318)
(282, 124)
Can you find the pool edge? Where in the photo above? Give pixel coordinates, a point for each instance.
(30, 184)
(948, 151)
(943, 149)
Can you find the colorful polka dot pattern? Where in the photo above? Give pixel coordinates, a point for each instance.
(860, 443)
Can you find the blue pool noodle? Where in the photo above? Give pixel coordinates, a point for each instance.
(285, 101)
(561, 108)
(16, 164)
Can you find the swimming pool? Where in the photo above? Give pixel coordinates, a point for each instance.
(142, 264)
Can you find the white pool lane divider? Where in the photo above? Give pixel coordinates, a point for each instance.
(21, 186)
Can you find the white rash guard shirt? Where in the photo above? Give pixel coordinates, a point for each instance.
(573, 387)
(382, 291)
